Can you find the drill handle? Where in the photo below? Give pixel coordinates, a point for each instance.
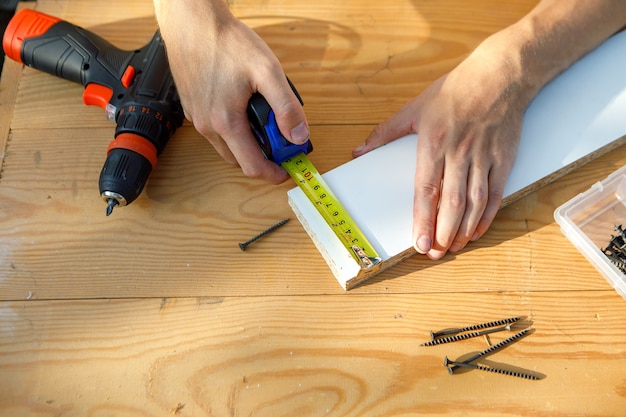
(60, 48)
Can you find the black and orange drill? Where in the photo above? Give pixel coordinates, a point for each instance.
(135, 88)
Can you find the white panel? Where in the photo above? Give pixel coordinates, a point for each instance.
(579, 112)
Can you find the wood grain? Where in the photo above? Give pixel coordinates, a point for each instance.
(57, 243)
(156, 311)
(296, 356)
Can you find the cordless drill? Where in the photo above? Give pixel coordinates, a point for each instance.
(135, 88)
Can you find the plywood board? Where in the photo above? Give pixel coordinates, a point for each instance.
(575, 118)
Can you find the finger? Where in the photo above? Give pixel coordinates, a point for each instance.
(230, 134)
(290, 116)
(497, 182)
(249, 156)
(222, 149)
(428, 176)
(452, 205)
(477, 198)
(400, 124)
(238, 145)
(246, 153)
(205, 126)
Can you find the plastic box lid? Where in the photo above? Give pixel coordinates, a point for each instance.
(589, 219)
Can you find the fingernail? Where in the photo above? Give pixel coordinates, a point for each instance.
(300, 133)
(359, 148)
(423, 244)
(475, 236)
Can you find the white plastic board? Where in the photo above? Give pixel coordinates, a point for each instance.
(575, 116)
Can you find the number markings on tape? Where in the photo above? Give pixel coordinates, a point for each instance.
(334, 213)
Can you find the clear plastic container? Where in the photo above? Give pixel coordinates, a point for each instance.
(589, 219)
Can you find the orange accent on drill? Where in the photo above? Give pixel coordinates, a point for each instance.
(135, 88)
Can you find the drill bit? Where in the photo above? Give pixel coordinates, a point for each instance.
(111, 203)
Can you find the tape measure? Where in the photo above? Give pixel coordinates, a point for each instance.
(293, 158)
(334, 213)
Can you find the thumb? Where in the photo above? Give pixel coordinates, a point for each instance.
(288, 110)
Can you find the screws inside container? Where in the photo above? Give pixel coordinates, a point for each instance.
(615, 251)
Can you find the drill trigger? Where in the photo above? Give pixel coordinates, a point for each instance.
(97, 95)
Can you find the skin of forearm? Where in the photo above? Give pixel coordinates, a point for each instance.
(172, 15)
(207, 9)
(555, 34)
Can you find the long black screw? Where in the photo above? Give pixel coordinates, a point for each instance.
(492, 349)
(464, 336)
(244, 245)
(434, 335)
(448, 363)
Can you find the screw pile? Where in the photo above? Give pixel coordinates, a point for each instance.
(616, 249)
(454, 335)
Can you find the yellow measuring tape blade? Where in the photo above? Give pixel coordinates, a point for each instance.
(334, 213)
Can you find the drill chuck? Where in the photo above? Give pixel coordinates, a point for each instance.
(123, 177)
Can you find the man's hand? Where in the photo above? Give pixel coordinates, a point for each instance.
(469, 124)
(218, 63)
(469, 121)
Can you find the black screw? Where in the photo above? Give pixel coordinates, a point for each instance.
(493, 348)
(451, 364)
(244, 245)
(619, 263)
(434, 335)
(616, 249)
(464, 336)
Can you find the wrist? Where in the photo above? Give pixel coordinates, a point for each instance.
(504, 55)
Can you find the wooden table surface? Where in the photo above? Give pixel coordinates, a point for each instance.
(156, 311)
